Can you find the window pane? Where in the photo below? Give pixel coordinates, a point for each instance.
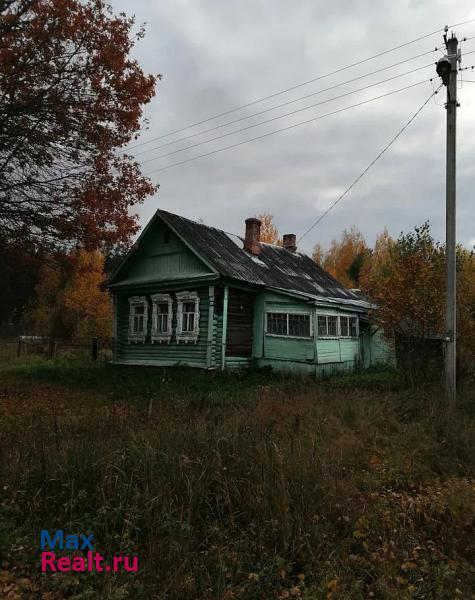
(277, 323)
(139, 310)
(344, 330)
(162, 308)
(188, 321)
(332, 326)
(138, 324)
(354, 326)
(322, 325)
(189, 307)
(299, 325)
(162, 323)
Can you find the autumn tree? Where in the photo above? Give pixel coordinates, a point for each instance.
(70, 299)
(44, 315)
(406, 281)
(86, 306)
(345, 257)
(466, 308)
(71, 99)
(377, 260)
(269, 232)
(407, 285)
(318, 254)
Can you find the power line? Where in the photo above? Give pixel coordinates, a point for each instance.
(320, 219)
(259, 137)
(321, 91)
(219, 137)
(294, 87)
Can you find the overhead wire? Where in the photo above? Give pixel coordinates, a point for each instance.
(305, 108)
(321, 91)
(299, 85)
(216, 138)
(264, 135)
(363, 173)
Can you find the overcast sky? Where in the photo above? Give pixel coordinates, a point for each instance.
(217, 55)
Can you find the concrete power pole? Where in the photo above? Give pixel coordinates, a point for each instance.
(447, 69)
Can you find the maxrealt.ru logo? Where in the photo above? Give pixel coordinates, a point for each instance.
(92, 561)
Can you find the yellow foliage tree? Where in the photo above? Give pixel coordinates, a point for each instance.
(87, 306)
(345, 257)
(318, 254)
(269, 232)
(377, 261)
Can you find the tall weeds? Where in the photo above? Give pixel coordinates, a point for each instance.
(251, 487)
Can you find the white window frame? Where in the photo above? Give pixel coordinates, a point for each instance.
(328, 337)
(187, 336)
(349, 336)
(289, 312)
(338, 327)
(161, 336)
(134, 302)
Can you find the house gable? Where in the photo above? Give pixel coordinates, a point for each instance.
(159, 256)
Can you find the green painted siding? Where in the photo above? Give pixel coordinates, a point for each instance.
(161, 256)
(290, 349)
(238, 362)
(190, 354)
(328, 351)
(307, 369)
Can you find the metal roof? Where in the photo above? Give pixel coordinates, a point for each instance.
(275, 267)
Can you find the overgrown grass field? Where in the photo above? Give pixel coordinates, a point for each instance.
(251, 486)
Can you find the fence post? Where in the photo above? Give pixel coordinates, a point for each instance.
(51, 343)
(94, 348)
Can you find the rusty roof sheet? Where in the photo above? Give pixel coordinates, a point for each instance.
(275, 267)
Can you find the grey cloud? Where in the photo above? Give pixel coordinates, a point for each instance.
(218, 55)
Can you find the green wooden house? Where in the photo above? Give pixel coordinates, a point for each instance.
(190, 294)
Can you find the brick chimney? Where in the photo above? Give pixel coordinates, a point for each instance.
(290, 242)
(253, 236)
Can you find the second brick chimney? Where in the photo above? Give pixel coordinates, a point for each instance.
(253, 236)
(289, 242)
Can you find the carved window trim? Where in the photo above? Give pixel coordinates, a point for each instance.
(161, 336)
(187, 336)
(136, 302)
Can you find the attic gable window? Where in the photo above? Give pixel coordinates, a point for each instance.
(162, 314)
(138, 318)
(188, 317)
(288, 324)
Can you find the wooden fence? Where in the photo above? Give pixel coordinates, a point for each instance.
(52, 348)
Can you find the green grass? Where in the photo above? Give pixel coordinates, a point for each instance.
(251, 486)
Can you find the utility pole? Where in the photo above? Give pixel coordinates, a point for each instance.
(447, 69)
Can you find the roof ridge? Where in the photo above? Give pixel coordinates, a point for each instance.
(160, 210)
